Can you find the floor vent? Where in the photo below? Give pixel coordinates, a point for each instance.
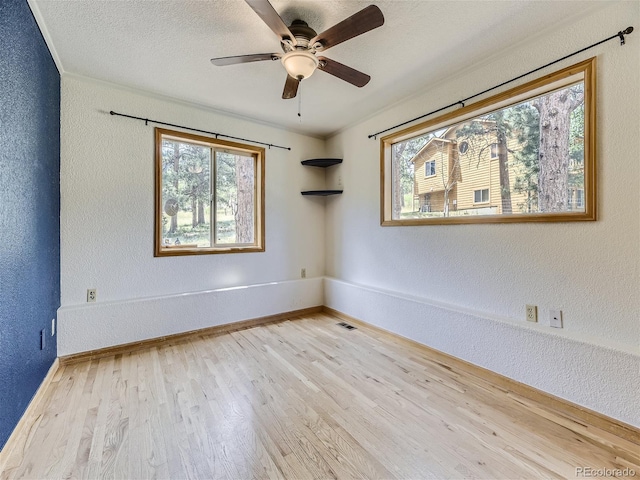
(346, 325)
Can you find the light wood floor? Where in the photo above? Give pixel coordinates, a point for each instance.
(298, 399)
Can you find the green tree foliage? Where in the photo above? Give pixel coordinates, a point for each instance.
(525, 121)
(539, 145)
(576, 148)
(549, 132)
(226, 184)
(565, 156)
(235, 188)
(402, 165)
(186, 179)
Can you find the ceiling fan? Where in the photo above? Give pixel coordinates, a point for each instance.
(300, 43)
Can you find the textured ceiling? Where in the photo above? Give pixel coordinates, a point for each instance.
(165, 47)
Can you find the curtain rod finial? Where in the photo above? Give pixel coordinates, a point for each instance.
(624, 32)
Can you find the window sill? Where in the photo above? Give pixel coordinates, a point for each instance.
(178, 250)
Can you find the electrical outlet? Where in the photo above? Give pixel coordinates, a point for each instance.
(303, 273)
(532, 313)
(555, 318)
(53, 327)
(91, 295)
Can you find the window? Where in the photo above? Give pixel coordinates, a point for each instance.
(493, 152)
(430, 168)
(481, 196)
(533, 146)
(209, 195)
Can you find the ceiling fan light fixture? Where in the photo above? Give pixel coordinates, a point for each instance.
(300, 64)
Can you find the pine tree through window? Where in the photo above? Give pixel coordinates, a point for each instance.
(527, 154)
(209, 195)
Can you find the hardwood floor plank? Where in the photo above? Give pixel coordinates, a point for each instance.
(301, 399)
(105, 371)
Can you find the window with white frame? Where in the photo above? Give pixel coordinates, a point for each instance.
(493, 151)
(430, 168)
(481, 196)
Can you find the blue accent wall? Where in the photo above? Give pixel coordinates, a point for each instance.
(29, 209)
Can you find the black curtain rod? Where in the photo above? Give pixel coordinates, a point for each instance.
(620, 35)
(147, 120)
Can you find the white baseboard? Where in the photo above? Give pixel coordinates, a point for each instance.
(100, 325)
(597, 376)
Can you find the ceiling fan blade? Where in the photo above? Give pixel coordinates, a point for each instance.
(348, 74)
(366, 19)
(268, 14)
(290, 87)
(257, 57)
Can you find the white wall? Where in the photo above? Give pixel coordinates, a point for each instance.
(107, 209)
(487, 273)
(460, 289)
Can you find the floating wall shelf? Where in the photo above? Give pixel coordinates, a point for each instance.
(322, 163)
(322, 193)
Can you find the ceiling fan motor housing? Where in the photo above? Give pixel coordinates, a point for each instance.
(303, 32)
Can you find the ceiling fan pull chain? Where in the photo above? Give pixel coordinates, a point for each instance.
(300, 103)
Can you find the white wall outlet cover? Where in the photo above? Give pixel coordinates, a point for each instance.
(91, 295)
(555, 318)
